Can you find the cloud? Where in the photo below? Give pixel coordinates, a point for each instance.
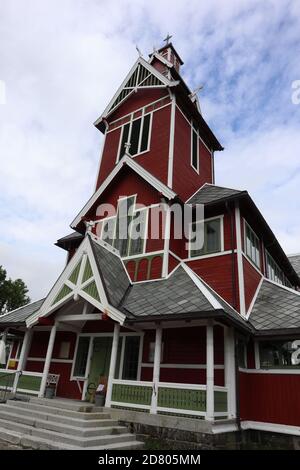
(61, 63)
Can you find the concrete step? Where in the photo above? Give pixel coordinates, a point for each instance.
(45, 444)
(73, 405)
(61, 427)
(42, 415)
(64, 438)
(32, 405)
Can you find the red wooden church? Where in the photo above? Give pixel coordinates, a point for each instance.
(212, 332)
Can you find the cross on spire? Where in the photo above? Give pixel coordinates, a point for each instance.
(167, 39)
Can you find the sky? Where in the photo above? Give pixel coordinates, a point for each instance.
(61, 61)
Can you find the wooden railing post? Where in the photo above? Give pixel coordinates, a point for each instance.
(48, 360)
(210, 400)
(23, 358)
(112, 366)
(156, 369)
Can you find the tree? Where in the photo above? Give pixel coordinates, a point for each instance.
(13, 294)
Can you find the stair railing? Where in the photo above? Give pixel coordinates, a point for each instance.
(8, 385)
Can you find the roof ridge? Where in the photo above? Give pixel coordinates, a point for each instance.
(203, 289)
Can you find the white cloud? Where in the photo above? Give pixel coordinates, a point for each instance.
(62, 61)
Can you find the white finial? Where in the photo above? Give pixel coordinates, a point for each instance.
(90, 224)
(127, 146)
(139, 52)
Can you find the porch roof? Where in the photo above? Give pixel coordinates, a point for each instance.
(19, 315)
(181, 296)
(276, 310)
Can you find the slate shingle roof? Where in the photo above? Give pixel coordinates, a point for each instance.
(295, 262)
(276, 308)
(210, 193)
(174, 295)
(20, 314)
(112, 272)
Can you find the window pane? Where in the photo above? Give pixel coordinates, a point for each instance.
(108, 230)
(277, 354)
(137, 233)
(195, 150)
(135, 135)
(124, 139)
(212, 237)
(145, 134)
(212, 233)
(131, 357)
(81, 356)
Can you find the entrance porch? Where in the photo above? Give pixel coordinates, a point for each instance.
(182, 368)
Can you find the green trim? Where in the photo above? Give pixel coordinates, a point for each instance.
(139, 260)
(182, 399)
(30, 382)
(75, 273)
(88, 273)
(6, 379)
(137, 394)
(65, 290)
(91, 289)
(220, 400)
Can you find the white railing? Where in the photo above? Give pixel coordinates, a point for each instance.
(28, 382)
(173, 398)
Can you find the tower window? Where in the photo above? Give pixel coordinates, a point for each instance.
(252, 245)
(195, 146)
(212, 237)
(127, 230)
(137, 133)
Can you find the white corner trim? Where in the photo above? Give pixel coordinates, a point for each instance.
(171, 142)
(271, 427)
(211, 299)
(125, 160)
(254, 298)
(240, 265)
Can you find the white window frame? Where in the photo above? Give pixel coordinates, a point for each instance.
(284, 281)
(92, 336)
(216, 253)
(130, 122)
(193, 129)
(135, 210)
(245, 245)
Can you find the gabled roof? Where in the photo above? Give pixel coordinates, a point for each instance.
(210, 193)
(19, 315)
(141, 75)
(276, 309)
(131, 163)
(295, 262)
(115, 279)
(86, 276)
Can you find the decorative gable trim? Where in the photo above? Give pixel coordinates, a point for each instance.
(80, 278)
(136, 78)
(125, 160)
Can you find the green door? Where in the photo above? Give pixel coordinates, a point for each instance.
(99, 364)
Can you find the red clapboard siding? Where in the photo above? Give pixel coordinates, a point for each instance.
(66, 388)
(276, 398)
(109, 155)
(251, 279)
(137, 100)
(217, 272)
(185, 179)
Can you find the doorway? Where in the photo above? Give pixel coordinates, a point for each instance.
(100, 362)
